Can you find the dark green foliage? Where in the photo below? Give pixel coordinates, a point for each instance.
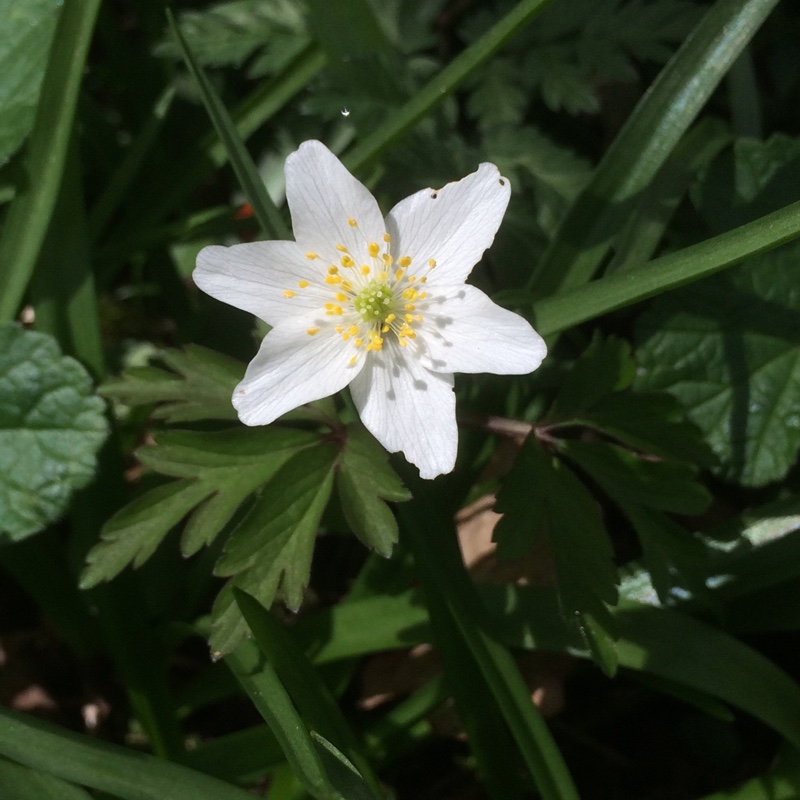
(51, 428)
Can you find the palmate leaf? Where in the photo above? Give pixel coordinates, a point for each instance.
(542, 495)
(229, 33)
(217, 472)
(51, 427)
(270, 550)
(364, 481)
(197, 383)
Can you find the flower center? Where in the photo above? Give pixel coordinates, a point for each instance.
(374, 301)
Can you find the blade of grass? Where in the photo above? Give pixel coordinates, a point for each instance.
(21, 783)
(563, 311)
(128, 774)
(272, 700)
(266, 212)
(305, 687)
(458, 618)
(120, 181)
(656, 125)
(62, 288)
(29, 214)
(444, 83)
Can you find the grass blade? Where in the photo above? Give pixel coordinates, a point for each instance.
(654, 128)
(125, 773)
(563, 311)
(444, 84)
(266, 212)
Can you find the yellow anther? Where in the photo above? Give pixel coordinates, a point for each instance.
(347, 286)
(311, 256)
(385, 329)
(341, 248)
(358, 342)
(302, 284)
(346, 261)
(353, 330)
(345, 336)
(332, 280)
(402, 342)
(352, 223)
(410, 307)
(340, 296)
(373, 249)
(423, 279)
(391, 318)
(312, 331)
(412, 278)
(337, 311)
(328, 306)
(431, 262)
(398, 275)
(339, 328)
(404, 262)
(353, 361)
(422, 295)
(410, 293)
(419, 317)
(408, 317)
(387, 259)
(365, 270)
(387, 238)
(288, 293)
(333, 269)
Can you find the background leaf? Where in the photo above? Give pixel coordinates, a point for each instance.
(50, 431)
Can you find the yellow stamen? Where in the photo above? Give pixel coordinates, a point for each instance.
(352, 223)
(340, 296)
(391, 318)
(333, 269)
(311, 256)
(353, 361)
(341, 248)
(431, 262)
(353, 330)
(398, 275)
(373, 249)
(385, 329)
(346, 261)
(387, 259)
(288, 293)
(302, 284)
(358, 342)
(404, 262)
(365, 270)
(387, 238)
(332, 280)
(408, 317)
(312, 331)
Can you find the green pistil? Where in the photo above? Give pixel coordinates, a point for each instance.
(374, 302)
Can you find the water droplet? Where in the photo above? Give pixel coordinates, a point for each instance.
(345, 112)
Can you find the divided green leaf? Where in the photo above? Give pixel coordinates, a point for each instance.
(196, 384)
(542, 495)
(216, 471)
(51, 427)
(364, 482)
(269, 552)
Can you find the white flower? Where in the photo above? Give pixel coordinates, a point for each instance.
(379, 305)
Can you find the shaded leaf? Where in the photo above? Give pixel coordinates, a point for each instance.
(217, 472)
(544, 492)
(28, 27)
(196, 384)
(270, 551)
(364, 481)
(51, 427)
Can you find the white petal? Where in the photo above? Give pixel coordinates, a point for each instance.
(452, 225)
(322, 197)
(293, 368)
(408, 408)
(255, 276)
(464, 331)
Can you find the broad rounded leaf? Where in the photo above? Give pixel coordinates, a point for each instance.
(51, 427)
